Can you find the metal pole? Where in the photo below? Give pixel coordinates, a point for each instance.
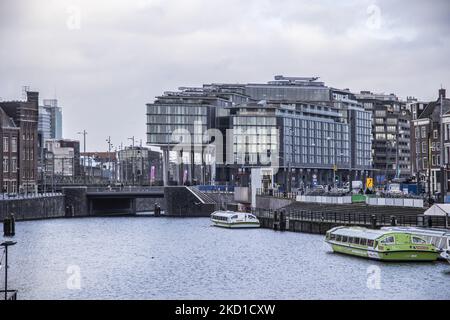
(6, 272)
(441, 146)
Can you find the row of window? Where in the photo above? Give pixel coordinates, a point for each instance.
(7, 146)
(176, 110)
(7, 167)
(352, 240)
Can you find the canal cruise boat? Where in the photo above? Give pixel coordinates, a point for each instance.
(233, 219)
(382, 245)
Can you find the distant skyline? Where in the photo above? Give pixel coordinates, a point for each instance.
(104, 60)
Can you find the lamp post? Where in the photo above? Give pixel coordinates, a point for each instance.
(84, 133)
(334, 161)
(132, 159)
(6, 244)
(441, 149)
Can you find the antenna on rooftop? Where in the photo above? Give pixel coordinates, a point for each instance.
(25, 89)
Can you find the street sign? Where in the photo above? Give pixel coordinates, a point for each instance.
(369, 183)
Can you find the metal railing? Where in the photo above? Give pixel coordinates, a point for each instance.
(357, 219)
(10, 295)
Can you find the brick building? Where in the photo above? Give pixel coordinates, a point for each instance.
(19, 143)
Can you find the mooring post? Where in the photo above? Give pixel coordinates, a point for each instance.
(393, 221)
(374, 221)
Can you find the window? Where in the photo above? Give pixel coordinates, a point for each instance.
(5, 164)
(5, 144)
(424, 131)
(13, 144)
(338, 238)
(418, 240)
(388, 240)
(435, 134)
(363, 242)
(424, 147)
(370, 243)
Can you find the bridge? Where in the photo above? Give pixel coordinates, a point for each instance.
(100, 201)
(121, 200)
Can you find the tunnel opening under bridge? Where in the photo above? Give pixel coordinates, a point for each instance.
(112, 206)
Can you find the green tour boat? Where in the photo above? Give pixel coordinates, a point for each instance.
(382, 245)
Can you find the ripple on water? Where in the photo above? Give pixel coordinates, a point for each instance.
(149, 258)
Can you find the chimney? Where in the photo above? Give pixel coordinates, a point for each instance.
(442, 93)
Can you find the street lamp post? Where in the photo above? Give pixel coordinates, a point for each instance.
(7, 244)
(132, 159)
(441, 149)
(84, 133)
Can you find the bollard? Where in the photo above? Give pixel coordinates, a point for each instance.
(6, 226)
(393, 221)
(373, 219)
(282, 222)
(275, 220)
(13, 225)
(9, 226)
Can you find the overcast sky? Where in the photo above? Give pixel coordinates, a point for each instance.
(104, 60)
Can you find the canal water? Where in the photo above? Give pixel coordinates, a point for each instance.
(169, 258)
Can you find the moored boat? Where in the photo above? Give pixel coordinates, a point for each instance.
(440, 238)
(233, 219)
(382, 245)
(446, 255)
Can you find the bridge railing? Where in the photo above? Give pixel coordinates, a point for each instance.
(125, 189)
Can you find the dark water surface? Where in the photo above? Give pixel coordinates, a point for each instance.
(163, 258)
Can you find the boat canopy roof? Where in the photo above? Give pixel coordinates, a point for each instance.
(226, 214)
(421, 231)
(359, 232)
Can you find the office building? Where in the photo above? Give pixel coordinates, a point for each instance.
(391, 147)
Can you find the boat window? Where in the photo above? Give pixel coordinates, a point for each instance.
(388, 240)
(356, 240)
(333, 236)
(418, 240)
(370, 243)
(344, 238)
(339, 238)
(350, 239)
(363, 242)
(251, 216)
(234, 217)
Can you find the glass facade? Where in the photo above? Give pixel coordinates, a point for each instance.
(163, 120)
(315, 142)
(255, 138)
(363, 138)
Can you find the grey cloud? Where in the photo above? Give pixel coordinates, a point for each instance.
(126, 53)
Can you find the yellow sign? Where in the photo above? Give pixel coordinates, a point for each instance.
(369, 183)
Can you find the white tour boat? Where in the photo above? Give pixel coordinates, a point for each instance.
(233, 219)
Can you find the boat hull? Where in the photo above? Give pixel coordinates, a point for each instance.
(401, 255)
(236, 225)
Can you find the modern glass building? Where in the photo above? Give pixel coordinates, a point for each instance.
(51, 106)
(312, 133)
